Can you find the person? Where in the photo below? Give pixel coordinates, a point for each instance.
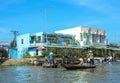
(91, 56)
(51, 58)
(81, 60)
(85, 59)
(110, 58)
(105, 58)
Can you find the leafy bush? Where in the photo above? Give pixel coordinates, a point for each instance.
(118, 53)
(0, 54)
(26, 55)
(45, 53)
(3, 52)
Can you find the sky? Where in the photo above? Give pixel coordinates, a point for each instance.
(31, 16)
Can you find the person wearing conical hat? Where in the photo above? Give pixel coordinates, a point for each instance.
(51, 58)
(91, 56)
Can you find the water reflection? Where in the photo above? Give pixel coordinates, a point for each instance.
(22, 74)
(35, 74)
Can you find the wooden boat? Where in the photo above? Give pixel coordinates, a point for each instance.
(78, 66)
(49, 66)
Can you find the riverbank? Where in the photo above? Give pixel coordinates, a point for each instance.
(33, 61)
(20, 62)
(27, 61)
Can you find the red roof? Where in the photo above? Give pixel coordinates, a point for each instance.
(95, 30)
(41, 48)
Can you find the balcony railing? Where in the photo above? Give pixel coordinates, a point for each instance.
(52, 44)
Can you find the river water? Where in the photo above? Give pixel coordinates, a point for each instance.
(109, 73)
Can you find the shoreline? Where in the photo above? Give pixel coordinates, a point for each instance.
(21, 62)
(26, 61)
(29, 62)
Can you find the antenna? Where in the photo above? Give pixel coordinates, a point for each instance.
(46, 22)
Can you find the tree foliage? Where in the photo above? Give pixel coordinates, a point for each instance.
(3, 53)
(118, 53)
(45, 53)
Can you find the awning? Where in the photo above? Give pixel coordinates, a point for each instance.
(91, 47)
(41, 48)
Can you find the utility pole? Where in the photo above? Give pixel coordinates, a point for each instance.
(15, 33)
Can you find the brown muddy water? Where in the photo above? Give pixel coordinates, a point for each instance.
(109, 73)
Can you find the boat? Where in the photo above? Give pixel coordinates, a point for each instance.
(49, 65)
(78, 66)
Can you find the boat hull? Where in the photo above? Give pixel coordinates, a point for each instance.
(73, 67)
(49, 66)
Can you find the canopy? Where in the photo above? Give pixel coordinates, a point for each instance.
(91, 47)
(41, 48)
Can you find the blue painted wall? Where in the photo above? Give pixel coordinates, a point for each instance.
(13, 53)
(23, 47)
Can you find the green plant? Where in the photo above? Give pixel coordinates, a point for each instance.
(118, 53)
(0, 54)
(3, 52)
(98, 53)
(44, 53)
(26, 55)
(62, 53)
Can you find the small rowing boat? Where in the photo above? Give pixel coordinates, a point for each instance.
(78, 66)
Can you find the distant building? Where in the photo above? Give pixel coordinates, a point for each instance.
(87, 36)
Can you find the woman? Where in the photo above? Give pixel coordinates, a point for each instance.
(51, 58)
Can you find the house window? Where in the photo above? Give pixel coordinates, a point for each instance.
(33, 38)
(38, 39)
(81, 36)
(22, 41)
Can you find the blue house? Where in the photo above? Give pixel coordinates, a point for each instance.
(30, 42)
